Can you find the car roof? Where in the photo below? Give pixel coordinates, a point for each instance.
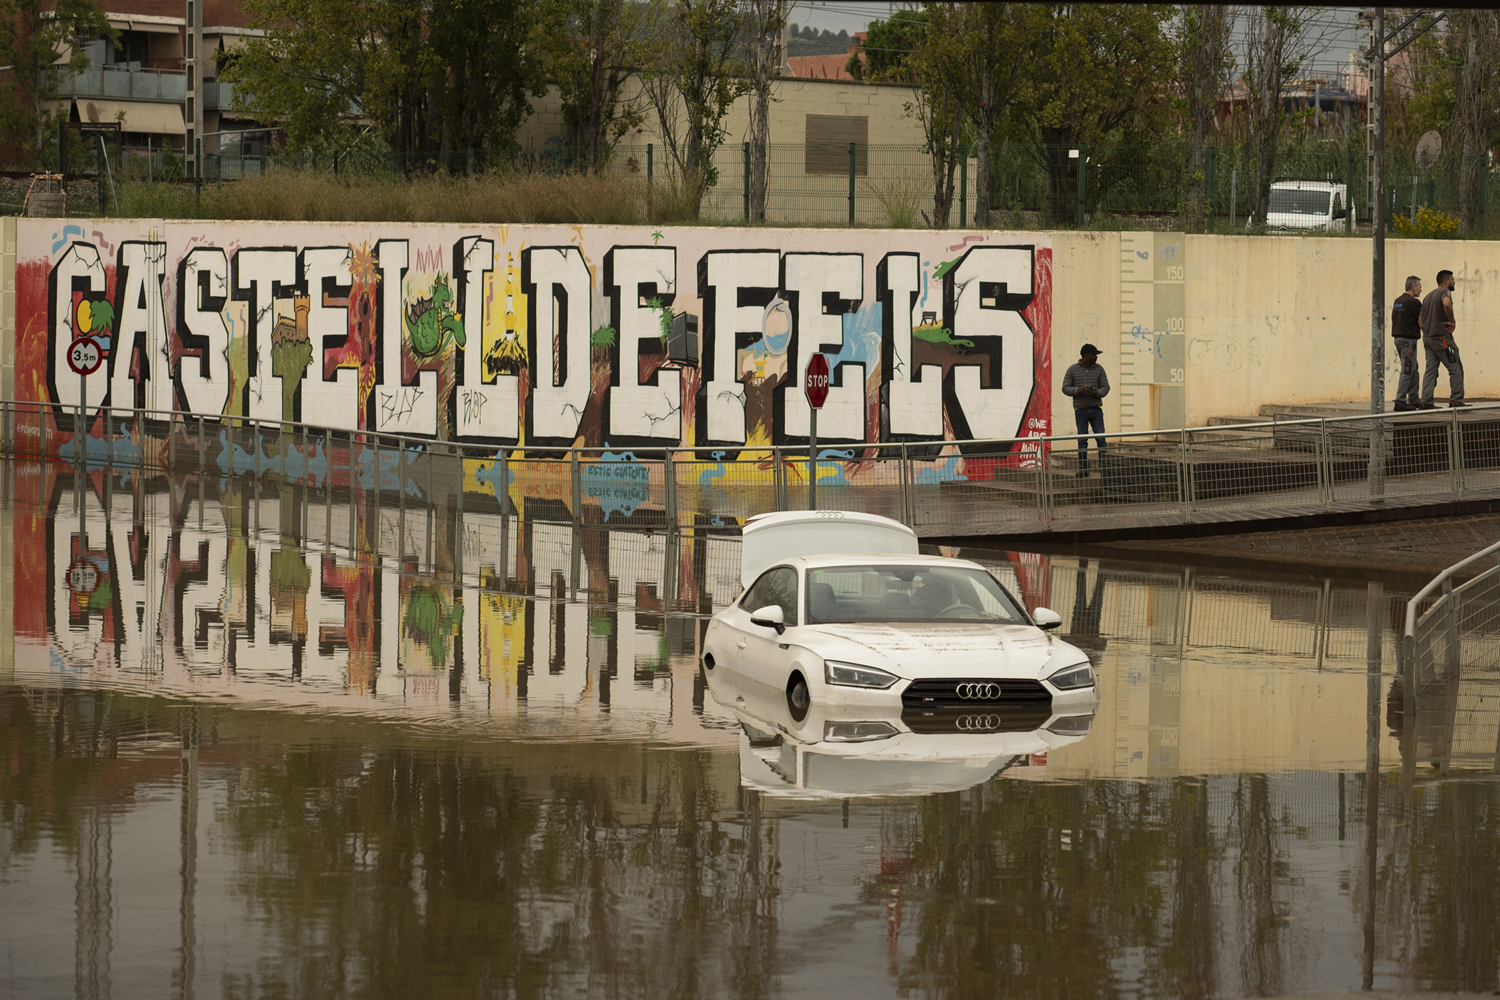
(1300, 185)
(874, 559)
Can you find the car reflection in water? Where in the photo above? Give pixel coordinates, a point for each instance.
(842, 751)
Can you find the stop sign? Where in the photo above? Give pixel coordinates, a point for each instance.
(817, 381)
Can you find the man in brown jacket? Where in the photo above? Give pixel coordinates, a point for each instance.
(1438, 325)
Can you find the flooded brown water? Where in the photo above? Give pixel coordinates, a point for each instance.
(236, 761)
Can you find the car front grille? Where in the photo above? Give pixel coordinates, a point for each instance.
(1016, 717)
(972, 692)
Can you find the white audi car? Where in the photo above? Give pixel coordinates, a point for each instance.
(839, 607)
(839, 751)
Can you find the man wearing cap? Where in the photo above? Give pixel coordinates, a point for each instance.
(1088, 385)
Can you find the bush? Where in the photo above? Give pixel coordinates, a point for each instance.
(1430, 224)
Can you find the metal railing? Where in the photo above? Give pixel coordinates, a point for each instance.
(1018, 485)
(1450, 661)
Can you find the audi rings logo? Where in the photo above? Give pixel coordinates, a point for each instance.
(978, 692)
(977, 723)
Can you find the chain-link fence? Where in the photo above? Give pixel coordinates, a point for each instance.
(871, 184)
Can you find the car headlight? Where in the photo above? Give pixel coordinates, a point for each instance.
(857, 732)
(854, 675)
(1072, 725)
(1079, 675)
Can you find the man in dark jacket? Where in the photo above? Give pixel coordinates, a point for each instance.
(1406, 328)
(1088, 385)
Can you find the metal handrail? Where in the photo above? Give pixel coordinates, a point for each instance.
(1034, 487)
(563, 450)
(1446, 576)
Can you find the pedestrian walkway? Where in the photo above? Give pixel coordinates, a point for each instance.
(1302, 467)
(1296, 469)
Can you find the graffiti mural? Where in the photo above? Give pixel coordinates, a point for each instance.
(544, 336)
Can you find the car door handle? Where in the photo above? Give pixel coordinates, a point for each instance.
(741, 644)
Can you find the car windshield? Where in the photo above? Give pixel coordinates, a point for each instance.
(1291, 202)
(874, 593)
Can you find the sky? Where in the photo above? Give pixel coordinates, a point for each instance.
(1337, 27)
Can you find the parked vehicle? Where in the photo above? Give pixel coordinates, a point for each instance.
(861, 620)
(839, 751)
(1309, 206)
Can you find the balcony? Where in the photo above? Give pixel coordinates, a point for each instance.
(128, 85)
(218, 95)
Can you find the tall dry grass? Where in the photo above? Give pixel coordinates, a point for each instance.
(900, 197)
(297, 196)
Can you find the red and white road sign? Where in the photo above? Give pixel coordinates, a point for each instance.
(817, 381)
(85, 356)
(83, 576)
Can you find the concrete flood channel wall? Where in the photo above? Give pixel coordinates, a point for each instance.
(676, 359)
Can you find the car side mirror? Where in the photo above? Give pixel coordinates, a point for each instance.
(1046, 618)
(773, 617)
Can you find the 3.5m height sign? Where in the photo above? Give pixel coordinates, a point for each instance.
(545, 336)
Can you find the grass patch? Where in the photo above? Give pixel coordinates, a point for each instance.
(296, 196)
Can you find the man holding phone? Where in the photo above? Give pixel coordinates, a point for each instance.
(1086, 382)
(1438, 325)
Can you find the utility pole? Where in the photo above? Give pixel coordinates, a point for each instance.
(193, 99)
(1377, 290)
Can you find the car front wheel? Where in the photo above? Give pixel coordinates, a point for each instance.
(798, 699)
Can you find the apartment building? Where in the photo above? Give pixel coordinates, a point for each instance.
(160, 79)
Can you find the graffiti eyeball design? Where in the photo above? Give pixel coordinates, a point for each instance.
(776, 325)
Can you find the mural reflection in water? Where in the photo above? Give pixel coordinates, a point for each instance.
(245, 759)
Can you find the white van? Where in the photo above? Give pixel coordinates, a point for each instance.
(1309, 206)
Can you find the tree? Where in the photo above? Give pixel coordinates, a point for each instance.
(426, 75)
(1093, 69)
(939, 108)
(1280, 41)
(32, 36)
(693, 76)
(890, 44)
(989, 59)
(1206, 61)
(591, 47)
(766, 20)
(1476, 109)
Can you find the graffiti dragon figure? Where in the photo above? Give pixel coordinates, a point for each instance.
(429, 321)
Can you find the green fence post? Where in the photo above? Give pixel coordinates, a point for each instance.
(103, 191)
(963, 184)
(469, 166)
(1349, 192)
(747, 182)
(1083, 156)
(851, 183)
(1212, 157)
(1482, 172)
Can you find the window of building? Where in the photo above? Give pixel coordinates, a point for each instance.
(130, 51)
